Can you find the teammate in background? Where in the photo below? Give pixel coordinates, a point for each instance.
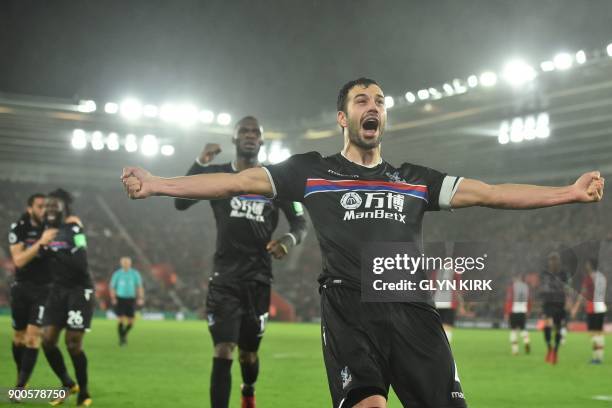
(126, 291)
(518, 305)
(31, 287)
(448, 302)
(71, 298)
(239, 287)
(594, 292)
(368, 346)
(554, 286)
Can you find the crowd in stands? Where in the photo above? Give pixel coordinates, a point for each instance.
(174, 249)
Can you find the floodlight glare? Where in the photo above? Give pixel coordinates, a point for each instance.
(112, 141)
(149, 145)
(79, 140)
(131, 145)
(488, 78)
(224, 119)
(547, 66)
(97, 140)
(150, 111)
(410, 97)
(389, 102)
(111, 107)
(131, 109)
(206, 116)
(167, 150)
(86, 106)
(518, 72)
(580, 57)
(423, 94)
(563, 61)
(472, 81)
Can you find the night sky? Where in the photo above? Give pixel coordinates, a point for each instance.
(280, 60)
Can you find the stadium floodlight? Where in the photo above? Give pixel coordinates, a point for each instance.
(224, 119)
(87, 106)
(516, 130)
(423, 94)
(502, 136)
(150, 111)
(186, 114)
(529, 128)
(435, 94)
(543, 126)
(518, 72)
(168, 112)
(458, 86)
(609, 49)
(206, 116)
(79, 139)
(111, 107)
(97, 140)
(488, 78)
(131, 144)
(580, 57)
(131, 109)
(472, 81)
(563, 61)
(112, 141)
(149, 145)
(167, 150)
(547, 66)
(448, 88)
(389, 102)
(410, 97)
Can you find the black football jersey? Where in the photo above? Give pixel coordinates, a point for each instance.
(244, 227)
(352, 205)
(66, 257)
(24, 232)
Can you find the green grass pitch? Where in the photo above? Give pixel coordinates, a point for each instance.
(168, 363)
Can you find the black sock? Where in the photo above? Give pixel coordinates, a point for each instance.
(18, 355)
(120, 330)
(27, 365)
(127, 329)
(220, 382)
(558, 337)
(80, 368)
(249, 377)
(56, 361)
(547, 335)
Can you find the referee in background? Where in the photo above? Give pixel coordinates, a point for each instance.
(126, 292)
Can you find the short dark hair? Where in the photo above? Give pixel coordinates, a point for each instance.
(33, 197)
(237, 125)
(363, 81)
(63, 195)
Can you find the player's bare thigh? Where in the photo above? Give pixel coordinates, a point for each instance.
(373, 401)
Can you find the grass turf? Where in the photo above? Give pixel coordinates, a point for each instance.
(168, 363)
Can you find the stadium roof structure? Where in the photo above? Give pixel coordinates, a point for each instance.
(459, 134)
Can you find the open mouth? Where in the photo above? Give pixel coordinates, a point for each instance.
(370, 124)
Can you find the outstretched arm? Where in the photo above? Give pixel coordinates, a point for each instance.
(139, 183)
(588, 188)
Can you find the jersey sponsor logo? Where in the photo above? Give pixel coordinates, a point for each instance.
(12, 238)
(350, 201)
(211, 319)
(250, 207)
(377, 205)
(346, 377)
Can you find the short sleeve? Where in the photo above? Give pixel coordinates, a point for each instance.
(138, 278)
(440, 187)
(113, 282)
(288, 178)
(16, 234)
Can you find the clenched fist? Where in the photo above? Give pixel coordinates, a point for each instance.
(137, 182)
(589, 187)
(209, 152)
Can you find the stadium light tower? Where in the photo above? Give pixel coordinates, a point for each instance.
(518, 72)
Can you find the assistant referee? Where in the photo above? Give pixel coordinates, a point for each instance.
(126, 292)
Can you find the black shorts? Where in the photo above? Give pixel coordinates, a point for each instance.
(28, 304)
(595, 321)
(555, 311)
(518, 320)
(125, 307)
(237, 313)
(69, 307)
(447, 316)
(368, 347)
